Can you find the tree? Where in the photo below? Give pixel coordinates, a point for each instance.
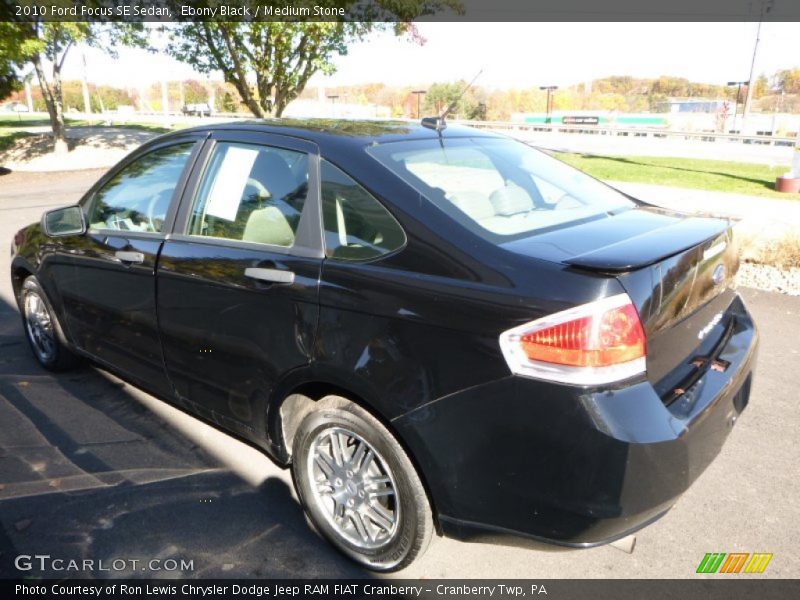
(229, 104)
(466, 105)
(45, 46)
(10, 80)
(789, 80)
(281, 56)
(761, 86)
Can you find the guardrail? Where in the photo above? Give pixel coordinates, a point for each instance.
(610, 130)
(511, 126)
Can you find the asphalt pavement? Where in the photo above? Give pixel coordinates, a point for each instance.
(92, 468)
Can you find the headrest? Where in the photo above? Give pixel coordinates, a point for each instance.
(476, 205)
(511, 199)
(268, 226)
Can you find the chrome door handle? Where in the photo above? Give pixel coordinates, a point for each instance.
(130, 257)
(270, 275)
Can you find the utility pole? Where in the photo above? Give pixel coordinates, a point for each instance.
(28, 94)
(418, 93)
(550, 89)
(212, 96)
(738, 85)
(164, 98)
(333, 98)
(766, 6)
(87, 105)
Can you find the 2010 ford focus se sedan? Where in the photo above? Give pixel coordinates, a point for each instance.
(442, 332)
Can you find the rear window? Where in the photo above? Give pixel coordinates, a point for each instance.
(500, 188)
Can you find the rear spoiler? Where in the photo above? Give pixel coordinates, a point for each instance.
(652, 246)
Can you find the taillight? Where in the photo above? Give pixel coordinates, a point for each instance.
(594, 343)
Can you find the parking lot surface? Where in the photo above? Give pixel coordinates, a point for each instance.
(92, 468)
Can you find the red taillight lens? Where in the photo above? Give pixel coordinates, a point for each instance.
(613, 337)
(595, 343)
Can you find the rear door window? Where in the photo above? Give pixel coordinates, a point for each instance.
(357, 226)
(251, 193)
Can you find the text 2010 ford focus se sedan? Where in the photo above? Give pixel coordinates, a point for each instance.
(440, 331)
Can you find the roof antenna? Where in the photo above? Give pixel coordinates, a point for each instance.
(439, 124)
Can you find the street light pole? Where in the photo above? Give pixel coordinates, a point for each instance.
(550, 89)
(418, 93)
(333, 99)
(738, 85)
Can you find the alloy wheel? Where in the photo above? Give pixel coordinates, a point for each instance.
(354, 488)
(39, 324)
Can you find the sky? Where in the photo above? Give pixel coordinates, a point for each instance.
(514, 55)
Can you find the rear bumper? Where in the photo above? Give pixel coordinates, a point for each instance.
(573, 466)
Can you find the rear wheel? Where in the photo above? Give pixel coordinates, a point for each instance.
(358, 486)
(42, 329)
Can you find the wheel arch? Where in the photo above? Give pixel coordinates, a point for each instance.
(20, 271)
(297, 401)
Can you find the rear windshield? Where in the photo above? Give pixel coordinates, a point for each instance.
(500, 188)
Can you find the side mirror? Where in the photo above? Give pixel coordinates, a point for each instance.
(64, 221)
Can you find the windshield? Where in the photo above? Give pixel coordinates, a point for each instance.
(500, 188)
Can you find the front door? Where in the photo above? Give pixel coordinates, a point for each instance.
(238, 280)
(106, 278)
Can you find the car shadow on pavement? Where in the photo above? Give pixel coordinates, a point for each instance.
(209, 524)
(88, 473)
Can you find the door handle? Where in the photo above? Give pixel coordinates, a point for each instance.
(269, 275)
(130, 257)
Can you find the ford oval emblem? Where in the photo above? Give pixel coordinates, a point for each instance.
(719, 274)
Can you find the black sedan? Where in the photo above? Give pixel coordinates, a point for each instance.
(440, 331)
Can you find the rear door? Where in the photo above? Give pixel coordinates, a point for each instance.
(238, 279)
(106, 278)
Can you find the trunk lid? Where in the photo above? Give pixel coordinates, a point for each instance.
(677, 269)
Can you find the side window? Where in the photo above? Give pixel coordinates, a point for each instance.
(357, 226)
(138, 197)
(251, 193)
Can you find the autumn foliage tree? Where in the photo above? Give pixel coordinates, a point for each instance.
(789, 80)
(270, 63)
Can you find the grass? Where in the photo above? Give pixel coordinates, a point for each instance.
(147, 127)
(15, 121)
(12, 122)
(8, 138)
(713, 175)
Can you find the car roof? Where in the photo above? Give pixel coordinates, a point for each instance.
(339, 132)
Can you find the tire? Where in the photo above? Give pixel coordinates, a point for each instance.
(395, 526)
(42, 329)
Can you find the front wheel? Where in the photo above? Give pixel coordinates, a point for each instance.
(42, 329)
(358, 486)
